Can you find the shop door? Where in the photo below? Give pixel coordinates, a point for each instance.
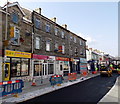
(6, 72)
(45, 70)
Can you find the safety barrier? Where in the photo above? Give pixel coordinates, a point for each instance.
(11, 87)
(56, 79)
(72, 76)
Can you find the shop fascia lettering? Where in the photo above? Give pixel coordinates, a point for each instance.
(17, 54)
(43, 57)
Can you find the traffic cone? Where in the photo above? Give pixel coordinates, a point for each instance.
(33, 82)
(58, 84)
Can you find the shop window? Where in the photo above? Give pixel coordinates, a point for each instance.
(15, 65)
(37, 69)
(66, 65)
(19, 67)
(47, 45)
(24, 66)
(50, 68)
(47, 28)
(15, 18)
(16, 37)
(37, 43)
(37, 23)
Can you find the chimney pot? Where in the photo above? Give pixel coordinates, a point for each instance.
(65, 26)
(53, 19)
(38, 10)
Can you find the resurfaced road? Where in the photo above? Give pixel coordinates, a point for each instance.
(91, 90)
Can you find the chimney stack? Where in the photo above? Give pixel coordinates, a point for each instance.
(65, 26)
(53, 19)
(38, 10)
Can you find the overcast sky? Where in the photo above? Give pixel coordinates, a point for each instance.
(97, 22)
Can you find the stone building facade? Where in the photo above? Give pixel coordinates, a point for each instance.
(38, 46)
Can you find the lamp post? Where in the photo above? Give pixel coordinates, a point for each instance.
(6, 27)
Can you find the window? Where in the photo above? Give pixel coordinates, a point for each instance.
(15, 18)
(24, 66)
(15, 40)
(62, 34)
(75, 39)
(19, 67)
(47, 28)
(76, 51)
(63, 49)
(80, 42)
(56, 31)
(48, 45)
(37, 23)
(37, 43)
(71, 38)
(37, 68)
(56, 46)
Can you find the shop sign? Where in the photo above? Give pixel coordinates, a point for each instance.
(18, 54)
(35, 56)
(62, 59)
(83, 60)
(71, 59)
(51, 57)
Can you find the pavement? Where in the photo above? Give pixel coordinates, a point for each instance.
(113, 96)
(30, 92)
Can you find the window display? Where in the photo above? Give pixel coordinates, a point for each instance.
(19, 67)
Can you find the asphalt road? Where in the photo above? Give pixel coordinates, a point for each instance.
(91, 90)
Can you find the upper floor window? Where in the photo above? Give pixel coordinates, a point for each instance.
(15, 17)
(47, 28)
(75, 39)
(56, 31)
(48, 45)
(56, 46)
(15, 34)
(76, 51)
(63, 49)
(37, 42)
(37, 23)
(62, 34)
(80, 42)
(71, 37)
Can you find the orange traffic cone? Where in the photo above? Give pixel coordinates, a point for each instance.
(33, 82)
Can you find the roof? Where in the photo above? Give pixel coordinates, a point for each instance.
(13, 4)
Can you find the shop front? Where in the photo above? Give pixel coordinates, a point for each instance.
(18, 63)
(62, 66)
(83, 65)
(75, 65)
(43, 66)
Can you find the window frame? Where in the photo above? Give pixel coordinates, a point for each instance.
(48, 44)
(16, 32)
(37, 23)
(38, 42)
(14, 14)
(47, 28)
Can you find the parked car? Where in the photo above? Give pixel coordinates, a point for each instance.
(104, 70)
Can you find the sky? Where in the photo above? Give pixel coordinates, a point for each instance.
(97, 22)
